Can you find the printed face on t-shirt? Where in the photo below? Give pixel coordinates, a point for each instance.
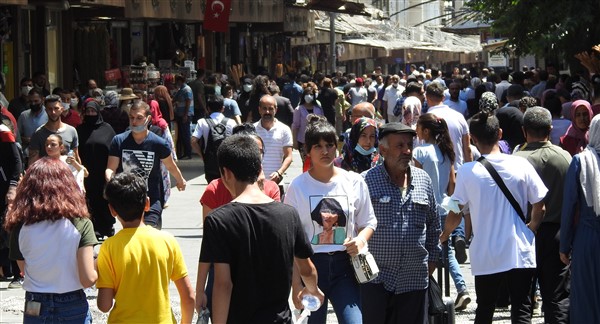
(329, 219)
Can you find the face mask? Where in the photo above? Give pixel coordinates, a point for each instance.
(218, 90)
(362, 151)
(395, 84)
(66, 106)
(25, 90)
(139, 129)
(74, 102)
(128, 106)
(308, 98)
(247, 87)
(36, 108)
(90, 119)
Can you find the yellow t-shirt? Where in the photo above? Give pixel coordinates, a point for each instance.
(137, 263)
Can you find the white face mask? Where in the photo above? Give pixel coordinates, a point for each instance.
(247, 87)
(66, 106)
(25, 90)
(74, 102)
(308, 98)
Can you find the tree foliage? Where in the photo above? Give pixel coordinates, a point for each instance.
(541, 27)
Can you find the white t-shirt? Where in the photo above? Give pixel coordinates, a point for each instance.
(460, 106)
(202, 128)
(457, 126)
(312, 198)
(391, 96)
(357, 95)
(275, 139)
(501, 239)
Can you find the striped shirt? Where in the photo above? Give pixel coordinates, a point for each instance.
(408, 229)
(275, 140)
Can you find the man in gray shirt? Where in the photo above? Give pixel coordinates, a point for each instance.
(54, 109)
(551, 162)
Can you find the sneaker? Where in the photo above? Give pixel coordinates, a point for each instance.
(462, 300)
(460, 249)
(17, 283)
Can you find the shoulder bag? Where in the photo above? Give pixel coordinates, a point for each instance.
(502, 186)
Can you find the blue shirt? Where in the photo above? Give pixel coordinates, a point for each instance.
(183, 94)
(292, 91)
(231, 108)
(408, 229)
(28, 123)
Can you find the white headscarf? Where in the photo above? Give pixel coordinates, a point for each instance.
(589, 177)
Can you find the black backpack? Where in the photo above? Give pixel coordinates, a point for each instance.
(216, 134)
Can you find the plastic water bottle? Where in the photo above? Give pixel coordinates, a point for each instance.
(71, 153)
(311, 303)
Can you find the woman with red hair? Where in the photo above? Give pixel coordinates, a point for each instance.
(56, 273)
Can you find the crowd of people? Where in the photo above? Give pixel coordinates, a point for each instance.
(505, 164)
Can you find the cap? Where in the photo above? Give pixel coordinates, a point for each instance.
(395, 128)
(359, 81)
(247, 81)
(126, 94)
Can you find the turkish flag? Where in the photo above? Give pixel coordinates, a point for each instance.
(216, 15)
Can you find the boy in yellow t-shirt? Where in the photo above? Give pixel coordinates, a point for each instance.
(136, 265)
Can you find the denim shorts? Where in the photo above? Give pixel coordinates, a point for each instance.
(71, 307)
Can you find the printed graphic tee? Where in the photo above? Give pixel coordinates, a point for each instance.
(142, 159)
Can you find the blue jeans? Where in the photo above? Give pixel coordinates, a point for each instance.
(337, 281)
(453, 266)
(71, 307)
(153, 217)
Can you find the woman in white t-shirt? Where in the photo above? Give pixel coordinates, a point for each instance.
(52, 238)
(436, 156)
(338, 218)
(56, 150)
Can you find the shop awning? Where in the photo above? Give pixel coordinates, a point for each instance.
(92, 3)
(339, 6)
(14, 2)
(466, 28)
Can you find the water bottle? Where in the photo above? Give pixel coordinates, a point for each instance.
(71, 153)
(310, 302)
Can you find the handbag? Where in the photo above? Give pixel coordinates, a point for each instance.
(436, 301)
(502, 186)
(365, 267)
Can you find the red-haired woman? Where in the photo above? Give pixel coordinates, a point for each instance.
(52, 240)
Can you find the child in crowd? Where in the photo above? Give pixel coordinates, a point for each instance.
(136, 265)
(56, 149)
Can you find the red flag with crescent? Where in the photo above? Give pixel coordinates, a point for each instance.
(216, 15)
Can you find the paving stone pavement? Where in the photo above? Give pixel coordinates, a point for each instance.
(183, 219)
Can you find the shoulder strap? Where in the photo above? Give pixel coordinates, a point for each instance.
(224, 121)
(502, 186)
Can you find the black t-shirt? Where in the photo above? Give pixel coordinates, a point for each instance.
(142, 159)
(259, 242)
(327, 97)
(511, 122)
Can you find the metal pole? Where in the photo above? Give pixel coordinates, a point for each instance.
(332, 16)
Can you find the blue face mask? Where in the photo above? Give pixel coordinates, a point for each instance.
(362, 151)
(140, 128)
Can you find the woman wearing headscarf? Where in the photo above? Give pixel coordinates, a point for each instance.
(361, 152)
(95, 137)
(580, 229)
(576, 138)
(116, 111)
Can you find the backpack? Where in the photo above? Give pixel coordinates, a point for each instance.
(216, 134)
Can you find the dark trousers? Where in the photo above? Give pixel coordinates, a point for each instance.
(184, 137)
(382, 306)
(553, 275)
(153, 217)
(518, 282)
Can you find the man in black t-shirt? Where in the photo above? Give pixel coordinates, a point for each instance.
(253, 243)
